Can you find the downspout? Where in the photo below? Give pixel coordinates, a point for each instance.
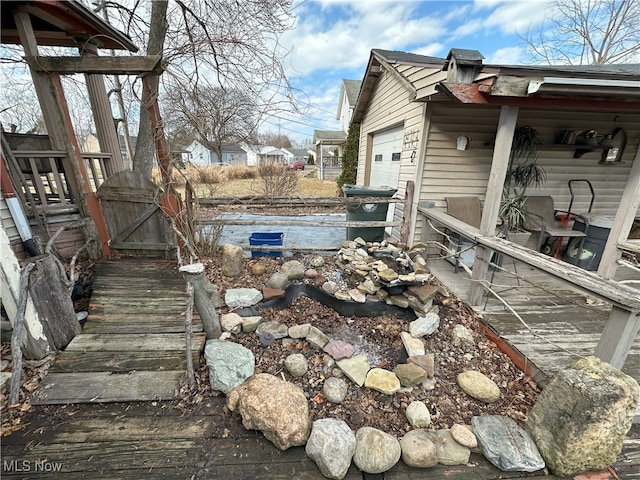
(17, 213)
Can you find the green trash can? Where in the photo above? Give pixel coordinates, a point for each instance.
(371, 212)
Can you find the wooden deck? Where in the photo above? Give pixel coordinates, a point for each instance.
(162, 439)
(132, 346)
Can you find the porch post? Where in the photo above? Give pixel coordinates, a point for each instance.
(103, 116)
(499, 165)
(622, 222)
(319, 160)
(618, 336)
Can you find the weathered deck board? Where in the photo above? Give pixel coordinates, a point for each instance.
(133, 342)
(107, 362)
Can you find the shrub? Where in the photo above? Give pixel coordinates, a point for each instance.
(350, 157)
(277, 180)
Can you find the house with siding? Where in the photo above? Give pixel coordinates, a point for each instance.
(435, 122)
(203, 154)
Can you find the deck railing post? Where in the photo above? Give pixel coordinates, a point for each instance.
(206, 298)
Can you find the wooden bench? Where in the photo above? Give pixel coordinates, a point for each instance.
(624, 319)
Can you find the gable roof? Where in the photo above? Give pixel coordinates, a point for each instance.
(462, 76)
(334, 137)
(351, 88)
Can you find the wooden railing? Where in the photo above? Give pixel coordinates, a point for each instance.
(46, 180)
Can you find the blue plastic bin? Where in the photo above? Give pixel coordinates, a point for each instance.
(266, 238)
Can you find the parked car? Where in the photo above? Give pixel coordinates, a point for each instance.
(297, 165)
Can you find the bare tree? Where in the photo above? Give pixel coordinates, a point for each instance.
(582, 32)
(274, 139)
(213, 115)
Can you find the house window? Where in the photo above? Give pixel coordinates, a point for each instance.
(395, 157)
(377, 158)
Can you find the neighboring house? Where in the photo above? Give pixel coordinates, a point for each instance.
(326, 142)
(436, 122)
(294, 154)
(260, 154)
(201, 154)
(92, 144)
(348, 97)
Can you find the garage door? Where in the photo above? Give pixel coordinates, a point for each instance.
(385, 158)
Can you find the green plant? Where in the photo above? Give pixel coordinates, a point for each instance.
(523, 172)
(350, 157)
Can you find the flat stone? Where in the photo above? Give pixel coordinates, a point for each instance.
(426, 362)
(376, 451)
(426, 325)
(343, 296)
(299, 331)
(269, 293)
(331, 446)
(368, 287)
(478, 386)
(231, 322)
(355, 368)
(388, 275)
(409, 374)
(339, 349)
(399, 300)
(330, 287)
(249, 324)
(316, 338)
(357, 296)
(424, 293)
(335, 389)
(506, 445)
(418, 449)
(276, 329)
(580, 420)
(413, 346)
(464, 436)
(418, 414)
(382, 381)
(242, 297)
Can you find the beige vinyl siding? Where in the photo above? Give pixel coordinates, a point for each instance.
(448, 171)
(7, 221)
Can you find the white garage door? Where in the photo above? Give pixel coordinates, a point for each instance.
(385, 159)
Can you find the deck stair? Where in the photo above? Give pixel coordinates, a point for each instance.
(132, 347)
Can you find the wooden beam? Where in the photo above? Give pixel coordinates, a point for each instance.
(627, 209)
(617, 337)
(499, 165)
(111, 65)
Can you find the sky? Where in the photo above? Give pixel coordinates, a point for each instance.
(332, 40)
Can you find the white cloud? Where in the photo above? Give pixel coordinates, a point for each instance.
(517, 17)
(506, 56)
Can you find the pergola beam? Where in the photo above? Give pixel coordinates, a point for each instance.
(107, 65)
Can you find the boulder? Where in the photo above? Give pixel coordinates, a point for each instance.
(376, 451)
(258, 269)
(299, 331)
(249, 324)
(331, 446)
(418, 449)
(271, 293)
(278, 281)
(275, 407)
(231, 260)
(424, 293)
(242, 297)
(479, 386)
(582, 417)
(505, 444)
(230, 364)
(464, 436)
(316, 338)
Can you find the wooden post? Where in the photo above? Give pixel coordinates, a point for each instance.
(499, 165)
(618, 336)
(103, 116)
(406, 211)
(622, 222)
(206, 298)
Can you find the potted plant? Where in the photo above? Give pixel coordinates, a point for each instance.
(523, 172)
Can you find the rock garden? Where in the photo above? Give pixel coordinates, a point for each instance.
(365, 357)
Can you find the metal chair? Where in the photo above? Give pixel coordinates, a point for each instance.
(542, 219)
(468, 210)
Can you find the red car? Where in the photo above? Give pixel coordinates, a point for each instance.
(297, 165)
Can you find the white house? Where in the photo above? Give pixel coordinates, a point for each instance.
(202, 154)
(348, 97)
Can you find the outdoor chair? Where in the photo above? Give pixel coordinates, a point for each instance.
(542, 219)
(468, 210)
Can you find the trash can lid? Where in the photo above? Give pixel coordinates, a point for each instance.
(368, 191)
(597, 219)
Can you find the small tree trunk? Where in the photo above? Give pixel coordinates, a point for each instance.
(206, 298)
(16, 351)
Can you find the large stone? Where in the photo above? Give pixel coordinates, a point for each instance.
(426, 362)
(230, 364)
(278, 281)
(426, 325)
(388, 275)
(249, 324)
(376, 451)
(231, 322)
(582, 417)
(479, 386)
(334, 389)
(331, 446)
(505, 444)
(418, 414)
(293, 269)
(448, 450)
(355, 368)
(464, 436)
(382, 381)
(409, 374)
(424, 293)
(242, 297)
(275, 407)
(413, 346)
(418, 449)
(231, 260)
(299, 331)
(271, 293)
(357, 296)
(276, 329)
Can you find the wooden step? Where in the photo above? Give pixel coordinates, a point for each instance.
(72, 362)
(134, 342)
